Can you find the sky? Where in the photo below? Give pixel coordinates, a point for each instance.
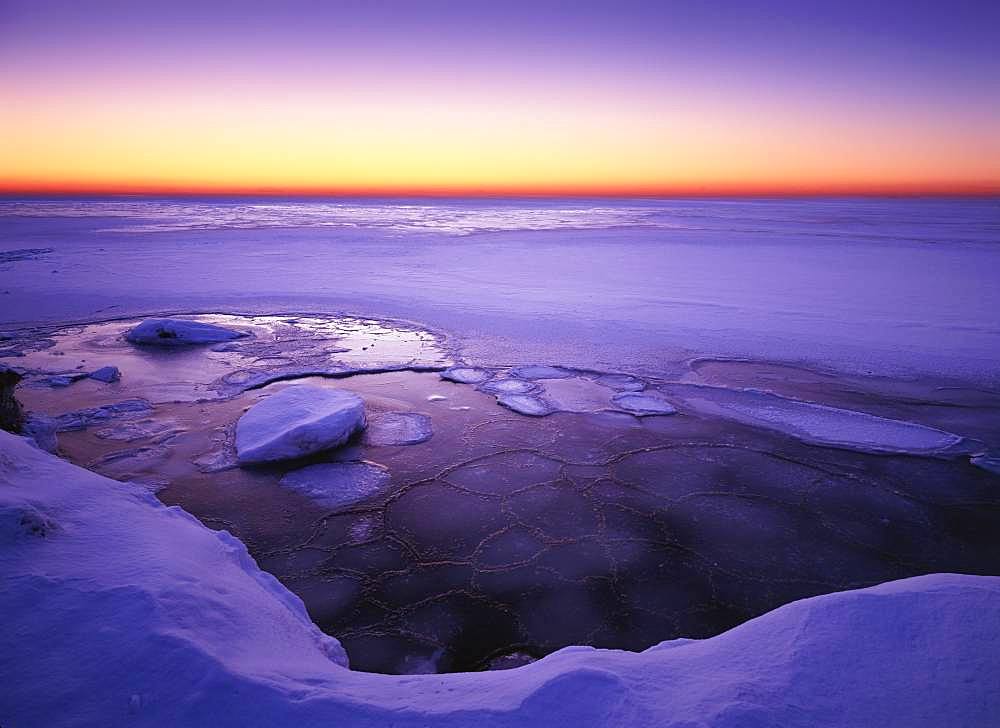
(538, 97)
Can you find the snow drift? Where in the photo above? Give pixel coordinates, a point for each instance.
(120, 611)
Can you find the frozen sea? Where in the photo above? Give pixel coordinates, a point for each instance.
(899, 287)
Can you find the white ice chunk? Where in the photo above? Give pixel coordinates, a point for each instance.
(298, 421)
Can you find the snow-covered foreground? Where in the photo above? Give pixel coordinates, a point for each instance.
(884, 286)
(120, 611)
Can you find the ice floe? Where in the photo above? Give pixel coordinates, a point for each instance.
(466, 375)
(509, 386)
(398, 428)
(335, 485)
(179, 332)
(541, 371)
(525, 404)
(644, 404)
(297, 421)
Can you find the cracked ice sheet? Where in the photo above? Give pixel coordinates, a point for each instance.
(819, 424)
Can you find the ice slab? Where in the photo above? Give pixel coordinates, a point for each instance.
(819, 424)
(335, 485)
(990, 462)
(178, 332)
(398, 428)
(298, 421)
(106, 374)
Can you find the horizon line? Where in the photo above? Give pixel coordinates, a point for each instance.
(989, 189)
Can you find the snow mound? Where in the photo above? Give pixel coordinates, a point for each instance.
(398, 428)
(335, 485)
(119, 611)
(178, 332)
(298, 421)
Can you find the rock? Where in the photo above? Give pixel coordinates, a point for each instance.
(525, 404)
(178, 332)
(11, 416)
(466, 375)
(335, 485)
(643, 404)
(106, 374)
(298, 421)
(398, 428)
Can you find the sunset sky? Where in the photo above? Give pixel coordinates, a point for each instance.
(499, 97)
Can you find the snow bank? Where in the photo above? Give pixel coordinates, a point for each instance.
(298, 421)
(119, 611)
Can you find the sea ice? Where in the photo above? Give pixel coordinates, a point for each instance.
(525, 404)
(466, 375)
(160, 640)
(335, 485)
(179, 332)
(298, 421)
(644, 404)
(398, 428)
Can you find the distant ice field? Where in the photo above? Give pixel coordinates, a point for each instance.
(899, 287)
